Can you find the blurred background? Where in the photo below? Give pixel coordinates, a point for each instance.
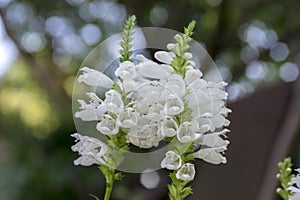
(255, 44)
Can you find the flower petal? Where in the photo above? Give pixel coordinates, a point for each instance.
(174, 105)
(186, 172)
(126, 70)
(211, 155)
(150, 69)
(172, 161)
(186, 132)
(108, 126)
(95, 78)
(164, 56)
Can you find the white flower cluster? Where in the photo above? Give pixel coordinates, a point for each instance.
(151, 102)
(295, 189)
(90, 149)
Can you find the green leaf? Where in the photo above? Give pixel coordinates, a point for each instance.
(186, 191)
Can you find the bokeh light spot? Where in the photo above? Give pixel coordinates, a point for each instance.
(33, 42)
(289, 72)
(255, 70)
(91, 34)
(159, 15)
(149, 180)
(19, 13)
(279, 51)
(58, 26)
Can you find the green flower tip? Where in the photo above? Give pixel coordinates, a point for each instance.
(127, 39)
(189, 30)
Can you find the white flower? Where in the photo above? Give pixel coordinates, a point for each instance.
(186, 172)
(203, 122)
(174, 105)
(213, 139)
(108, 125)
(164, 56)
(129, 85)
(198, 84)
(169, 127)
(92, 111)
(176, 85)
(113, 101)
(295, 189)
(186, 132)
(152, 90)
(128, 118)
(217, 91)
(151, 69)
(192, 75)
(219, 120)
(93, 77)
(91, 150)
(126, 70)
(172, 161)
(144, 137)
(212, 155)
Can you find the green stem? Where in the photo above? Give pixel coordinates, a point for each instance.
(108, 190)
(109, 184)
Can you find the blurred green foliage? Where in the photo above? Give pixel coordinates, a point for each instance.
(54, 36)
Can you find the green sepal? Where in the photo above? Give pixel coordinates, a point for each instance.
(119, 176)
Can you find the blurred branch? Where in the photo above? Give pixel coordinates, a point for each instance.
(47, 74)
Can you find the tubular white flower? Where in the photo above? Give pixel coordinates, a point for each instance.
(176, 85)
(91, 150)
(152, 90)
(198, 84)
(186, 132)
(92, 111)
(186, 172)
(155, 107)
(203, 122)
(217, 93)
(128, 118)
(108, 125)
(219, 120)
(172, 161)
(126, 70)
(144, 137)
(95, 78)
(169, 127)
(174, 105)
(113, 101)
(151, 69)
(192, 75)
(129, 85)
(164, 56)
(212, 155)
(213, 139)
